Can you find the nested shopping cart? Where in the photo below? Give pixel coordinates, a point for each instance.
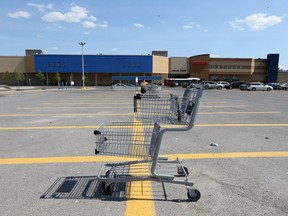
(141, 141)
(152, 90)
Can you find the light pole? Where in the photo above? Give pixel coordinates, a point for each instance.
(83, 83)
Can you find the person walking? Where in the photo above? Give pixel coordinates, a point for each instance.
(143, 86)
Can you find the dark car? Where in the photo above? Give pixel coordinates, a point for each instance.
(235, 84)
(244, 86)
(276, 86)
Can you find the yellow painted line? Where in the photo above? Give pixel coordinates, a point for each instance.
(48, 127)
(122, 114)
(71, 107)
(174, 126)
(66, 114)
(242, 125)
(82, 159)
(83, 103)
(231, 113)
(140, 195)
(229, 155)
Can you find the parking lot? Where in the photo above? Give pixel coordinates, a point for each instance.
(47, 141)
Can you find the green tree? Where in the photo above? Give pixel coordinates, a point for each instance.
(57, 77)
(41, 77)
(8, 77)
(19, 76)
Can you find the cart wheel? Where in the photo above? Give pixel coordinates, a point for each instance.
(107, 173)
(180, 171)
(108, 189)
(193, 195)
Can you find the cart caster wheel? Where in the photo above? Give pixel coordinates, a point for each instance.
(107, 174)
(193, 195)
(108, 189)
(180, 171)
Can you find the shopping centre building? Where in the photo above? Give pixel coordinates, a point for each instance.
(104, 69)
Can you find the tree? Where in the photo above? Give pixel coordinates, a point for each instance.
(41, 77)
(57, 77)
(8, 77)
(19, 76)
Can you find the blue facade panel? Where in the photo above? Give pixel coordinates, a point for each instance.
(93, 64)
(272, 68)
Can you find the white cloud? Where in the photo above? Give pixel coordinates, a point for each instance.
(88, 24)
(138, 25)
(103, 25)
(75, 15)
(214, 55)
(115, 50)
(20, 14)
(40, 7)
(191, 25)
(256, 22)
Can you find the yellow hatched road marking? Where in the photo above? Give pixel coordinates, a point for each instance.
(140, 195)
(194, 156)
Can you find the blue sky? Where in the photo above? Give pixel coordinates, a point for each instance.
(222, 28)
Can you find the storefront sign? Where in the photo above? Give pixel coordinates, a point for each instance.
(199, 62)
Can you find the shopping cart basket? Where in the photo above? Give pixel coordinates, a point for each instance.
(141, 141)
(169, 108)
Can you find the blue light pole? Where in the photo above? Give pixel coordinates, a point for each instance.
(83, 79)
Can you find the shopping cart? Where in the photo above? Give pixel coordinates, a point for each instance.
(141, 142)
(152, 90)
(168, 108)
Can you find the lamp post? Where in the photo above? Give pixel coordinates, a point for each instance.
(83, 83)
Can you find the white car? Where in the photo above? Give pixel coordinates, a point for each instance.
(222, 84)
(258, 86)
(284, 86)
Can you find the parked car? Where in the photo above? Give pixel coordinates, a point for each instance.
(235, 84)
(276, 86)
(222, 84)
(207, 84)
(258, 86)
(284, 86)
(244, 86)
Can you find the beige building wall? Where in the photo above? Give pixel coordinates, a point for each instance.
(11, 63)
(179, 66)
(160, 67)
(282, 77)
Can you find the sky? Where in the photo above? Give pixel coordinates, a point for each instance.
(222, 28)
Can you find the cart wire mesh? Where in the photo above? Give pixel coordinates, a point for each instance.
(127, 139)
(166, 109)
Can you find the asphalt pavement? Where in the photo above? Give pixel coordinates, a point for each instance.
(237, 155)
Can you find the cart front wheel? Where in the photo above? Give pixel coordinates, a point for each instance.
(193, 195)
(107, 189)
(181, 172)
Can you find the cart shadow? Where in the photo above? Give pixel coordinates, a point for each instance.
(88, 187)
